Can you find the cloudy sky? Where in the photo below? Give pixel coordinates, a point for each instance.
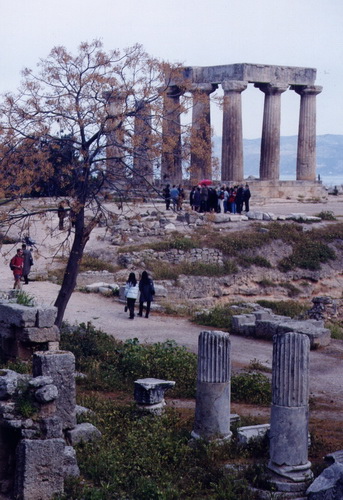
(194, 32)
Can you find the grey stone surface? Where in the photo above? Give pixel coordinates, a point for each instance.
(70, 467)
(252, 432)
(328, 485)
(83, 433)
(8, 383)
(150, 391)
(46, 394)
(39, 469)
(60, 366)
(18, 315)
(46, 317)
(39, 335)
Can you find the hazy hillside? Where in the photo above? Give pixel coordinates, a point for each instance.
(329, 154)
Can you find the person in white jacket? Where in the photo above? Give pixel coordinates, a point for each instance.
(131, 293)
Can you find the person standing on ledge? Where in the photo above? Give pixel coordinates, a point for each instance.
(131, 293)
(28, 262)
(147, 292)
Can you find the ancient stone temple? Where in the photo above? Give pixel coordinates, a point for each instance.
(273, 81)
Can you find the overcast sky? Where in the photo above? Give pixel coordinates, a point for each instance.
(194, 32)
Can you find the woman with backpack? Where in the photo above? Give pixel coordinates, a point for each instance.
(131, 293)
(147, 292)
(16, 265)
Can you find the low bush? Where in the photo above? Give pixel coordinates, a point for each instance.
(166, 271)
(92, 263)
(251, 387)
(111, 364)
(219, 316)
(291, 308)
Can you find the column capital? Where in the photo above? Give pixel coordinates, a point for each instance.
(307, 89)
(174, 91)
(272, 88)
(206, 88)
(234, 85)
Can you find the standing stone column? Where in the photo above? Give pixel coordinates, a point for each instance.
(270, 143)
(306, 156)
(115, 132)
(212, 411)
(232, 146)
(171, 168)
(201, 146)
(142, 155)
(289, 411)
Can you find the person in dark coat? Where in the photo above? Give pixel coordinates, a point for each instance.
(239, 199)
(246, 197)
(147, 292)
(28, 262)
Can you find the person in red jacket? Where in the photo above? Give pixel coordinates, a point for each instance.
(17, 263)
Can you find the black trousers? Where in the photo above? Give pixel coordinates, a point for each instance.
(148, 304)
(131, 307)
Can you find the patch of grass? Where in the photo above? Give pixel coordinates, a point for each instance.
(219, 316)
(257, 260)
(163, 270)
(292, 290)
(25, 299)
(92, 263)
(307, 254)
(326, 215)
(177, 241)
(336, 330)
(290, 308)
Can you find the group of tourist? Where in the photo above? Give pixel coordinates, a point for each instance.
(205, 198)
(146, 289)
(221, 200)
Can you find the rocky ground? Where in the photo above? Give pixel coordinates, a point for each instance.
(326, 364)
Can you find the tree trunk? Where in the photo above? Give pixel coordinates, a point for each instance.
(70, 275)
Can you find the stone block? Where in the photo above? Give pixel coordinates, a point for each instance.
(70, 467)
(39, 469)
(151, 390)
(328, 485)
(8, 383)
(60, 366)
(18, 315)
(46, 317)
(46, 394)
(246, 434)
(319, 337)
(83, 433)
(51, 427)
(39, 335)
(266, 329)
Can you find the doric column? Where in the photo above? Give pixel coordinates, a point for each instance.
(212, 412)
(232, 147)
(142, 156)
(270, 144)
(171, 168)
(115, 132)
(306, 157)
(289, 411)
(201, 147)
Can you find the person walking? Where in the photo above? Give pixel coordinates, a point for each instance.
(131, 293)
(16, 265)
(28, 262)
(166, 196)
(147, 292)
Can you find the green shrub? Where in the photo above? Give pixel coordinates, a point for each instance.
(307, 255)
(336, 330)
(290, 308)
(251, 387)
(164, 271)
(112, 364)
(91, 263)
(25, 299)
(326, 215)
(257, 260)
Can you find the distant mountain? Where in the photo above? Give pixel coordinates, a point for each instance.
(329, 154)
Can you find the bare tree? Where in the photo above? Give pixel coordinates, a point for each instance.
(92, 100)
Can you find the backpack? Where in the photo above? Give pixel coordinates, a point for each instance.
(11, 265)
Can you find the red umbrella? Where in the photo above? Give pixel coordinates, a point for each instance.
(205, 182)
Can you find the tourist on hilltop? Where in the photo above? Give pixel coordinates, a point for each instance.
(174, 196)
(27, 263)
(239, 199)
(166, 195)
(191, 197)
(16, 265)
(221, 198)
(147, 292)
(232, 200)
(181, 197)
(203, 198)
(212, 201)
(246, 197)
(131, 293)
(196, 199)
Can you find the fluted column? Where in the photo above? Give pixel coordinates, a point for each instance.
(232, 147)
(116, 170)
(270, 143)
(289, 411)
(306, 156)
(171, 169)
(142, 156)
(201, 146)
(212, 412)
